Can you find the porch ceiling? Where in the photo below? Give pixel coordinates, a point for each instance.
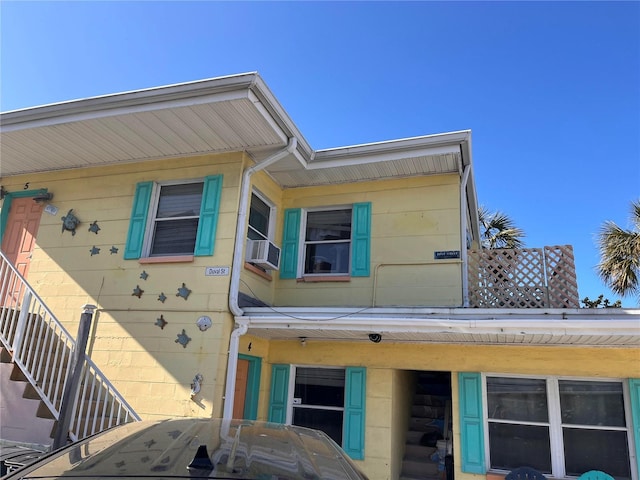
(560, 327)
(225, 114)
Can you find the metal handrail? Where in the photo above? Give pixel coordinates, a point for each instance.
(43, 349)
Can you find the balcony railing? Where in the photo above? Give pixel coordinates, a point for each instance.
(523, 278)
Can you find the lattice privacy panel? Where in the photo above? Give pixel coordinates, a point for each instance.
(523, 278)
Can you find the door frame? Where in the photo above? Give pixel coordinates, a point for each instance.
(252, 394)
(6, 205)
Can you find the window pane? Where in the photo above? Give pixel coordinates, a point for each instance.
(517, 445)
(327, 258)
(329, 225)
(180, 200)
(320, 386)
(592, 403)
(258, 218)
(604, 450)
(517, 399)
(329, 421)
(175, 237)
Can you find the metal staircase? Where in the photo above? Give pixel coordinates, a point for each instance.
(42, 349)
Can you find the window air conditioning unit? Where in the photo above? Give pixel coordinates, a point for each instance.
(263, 253)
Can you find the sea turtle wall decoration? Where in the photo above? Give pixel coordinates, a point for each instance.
(70, 222)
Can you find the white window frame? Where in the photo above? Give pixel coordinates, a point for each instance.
(302, 247)
(555, 419)
(153, 211)
(292, 388)
(272, 216)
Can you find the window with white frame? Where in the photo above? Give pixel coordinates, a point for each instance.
(318, 400)
(261, 218)
(560, 426)
(174, 218)
(327, 241)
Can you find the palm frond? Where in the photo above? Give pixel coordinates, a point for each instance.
(499, 230)
(619, 266)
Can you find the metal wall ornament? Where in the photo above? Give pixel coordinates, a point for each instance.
(144, 275)
(162, 297)
(113, 250)
(161, 322)
(70, 222)
(196, 384)
(183, 339)
(137, 292)
(183, 292)
(94, 251)
(94, 227)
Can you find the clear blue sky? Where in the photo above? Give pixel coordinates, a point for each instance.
(551, 90)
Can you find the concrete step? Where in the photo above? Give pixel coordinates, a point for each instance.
(420, 424)
(419, 469)
(426, 399)
(419, 451)
(427, 411)
(19, 420)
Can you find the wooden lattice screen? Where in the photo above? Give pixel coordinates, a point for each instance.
(523, 278)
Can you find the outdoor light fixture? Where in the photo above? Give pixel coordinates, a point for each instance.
(3, 192)
(375, 337)
(303, 341)
(43, 197)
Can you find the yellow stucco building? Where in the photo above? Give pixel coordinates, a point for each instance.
(237, 272)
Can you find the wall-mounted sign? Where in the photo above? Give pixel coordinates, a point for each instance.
(216, 271)
(51, 210)
(445, 254)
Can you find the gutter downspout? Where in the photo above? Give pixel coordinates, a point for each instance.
(463, 236)
(241, 327)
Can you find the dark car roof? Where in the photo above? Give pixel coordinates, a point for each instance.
(201, 448)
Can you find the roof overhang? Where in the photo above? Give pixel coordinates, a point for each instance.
(224, 114)
(218, 115)
(558, 327)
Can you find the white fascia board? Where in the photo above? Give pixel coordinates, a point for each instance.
(439, 144)
(558, 321)
(171, 96)
(272, 105)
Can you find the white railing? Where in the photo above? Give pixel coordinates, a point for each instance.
(43, 349)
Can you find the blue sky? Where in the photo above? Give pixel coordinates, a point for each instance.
(550, 90)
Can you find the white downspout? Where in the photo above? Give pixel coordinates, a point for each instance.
(463, 236)
(236, 268)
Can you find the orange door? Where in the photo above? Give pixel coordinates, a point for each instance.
(242, 375)
(19, 236)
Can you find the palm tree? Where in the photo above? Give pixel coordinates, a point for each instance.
(619, 266)
(499, 231)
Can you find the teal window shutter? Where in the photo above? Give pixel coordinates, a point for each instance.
(279, 393)
(634, 394)
(138, 221)
(208, 222)
(290, 238)
(471, 423)
(354, 412)
(361, 239)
